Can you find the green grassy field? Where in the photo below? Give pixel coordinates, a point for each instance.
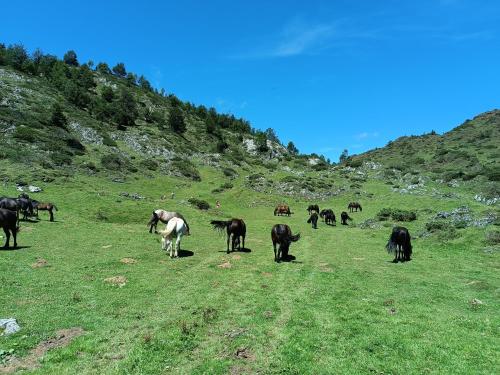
(340, 307)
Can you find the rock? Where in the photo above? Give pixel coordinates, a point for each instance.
(34, 189)
(9, 326)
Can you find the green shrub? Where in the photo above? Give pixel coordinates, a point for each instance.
(493, 237)
(149, 164)
(199, 203)
(113, 162)
(187, 169)
(396, 214)
(107, 141)
(223, 187)
(101, 215)
(24, 134)
(229, 172)
(438, 225)
(289, 179)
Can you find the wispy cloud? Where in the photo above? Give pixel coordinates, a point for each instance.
(365, 135)
(299, 39)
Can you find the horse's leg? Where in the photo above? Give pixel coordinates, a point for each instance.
(170, 249)
(163, 244)
(51, 214)
(177, 245)
(228, 239)
(243, 237)
(274, 247)
(7, 235)
(14, 234)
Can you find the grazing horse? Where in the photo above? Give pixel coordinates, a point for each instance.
(330, 218)
(8, 221)
(354, 206)
(175, 227)
(45, 206)
(313, 219)
(12, 204)
(399, 244)
(281, 234)
(235, 228)
(344, 217)
(164, 217)
(313, 207)
(282, 209)
(324, 211)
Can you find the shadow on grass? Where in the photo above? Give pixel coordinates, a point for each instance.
(14, 248)
(183, 253)
(242, 250)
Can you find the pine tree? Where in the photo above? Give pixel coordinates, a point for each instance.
(176, 120)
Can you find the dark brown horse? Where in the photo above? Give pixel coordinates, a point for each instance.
(8, 221)
(313, 207)
(281, 235)
(353, 207)
(344, 217)
(282, 209)
(400, 244)
(330, 218)
(313, 220)
(44, 206)
(235, 228)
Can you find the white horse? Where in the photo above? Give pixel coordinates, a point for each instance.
(164, 217)
(175, 227)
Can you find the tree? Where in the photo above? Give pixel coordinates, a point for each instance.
(119, 70)
(76, 95)
(271, 135)
(343, 156)
(144, 83)
(125, 109)
(261, 142)
(57, 117)
(103, 68)
(70, 58)
(210, 125)
(131, 79)
(176, 120)
(107, 94)
(292, 149)
(16, 56)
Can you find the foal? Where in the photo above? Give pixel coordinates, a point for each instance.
(176, 227)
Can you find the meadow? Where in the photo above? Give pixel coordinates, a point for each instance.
(342, 307)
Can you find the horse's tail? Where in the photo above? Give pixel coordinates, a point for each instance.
(392, 244)
(168, 231)
(154, 218)
(220, 224)
(309, 221)
(294, 238)
(360, 208)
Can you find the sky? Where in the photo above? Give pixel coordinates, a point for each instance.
(328, 75)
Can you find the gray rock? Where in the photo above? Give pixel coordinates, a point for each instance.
(9, 326)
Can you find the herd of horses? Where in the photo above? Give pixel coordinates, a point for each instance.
(281, 235)
(12, 208)
(176, 225)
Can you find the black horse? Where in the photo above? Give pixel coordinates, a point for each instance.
(344, 217)
(330, 218)
(234, 227)
(23, 205)
(313, 207)
(281, 235)
(8, 221)
(324, 211)
(353, 206)
(400, 244)
(313, 219)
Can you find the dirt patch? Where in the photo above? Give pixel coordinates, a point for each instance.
(32, 360)
(106, 246)
(240, 370)
(128, 261)
(244, 353)
(236, 257)
(40, 262)
(116, 280)
(392, 311)
(267, 274)
(268, 314)
(389, 302)
(235, 333)
(225, 265)
(325, 267)
(358, 259)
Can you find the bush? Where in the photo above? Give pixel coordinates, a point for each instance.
(187, 169)
(223, 187)
(198, 203)
(437, 225)
(107, 141)
(113, 162)
(150, 164)
(493, 238)
(229, 172)
(396, 214)
(24, 134)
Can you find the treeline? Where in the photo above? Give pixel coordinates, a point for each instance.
(77, 84)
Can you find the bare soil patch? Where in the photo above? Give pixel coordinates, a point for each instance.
(40, 262)
(116, 280)
(32, 360)
(128, 261)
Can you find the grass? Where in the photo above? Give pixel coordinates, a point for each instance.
(341, 307)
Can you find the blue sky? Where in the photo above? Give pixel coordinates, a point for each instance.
(328, 75)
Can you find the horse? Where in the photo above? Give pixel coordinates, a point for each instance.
(8, 221)
(399, 244)
(282, 209)
(175, 226)
(281, 234)
(354, 206)
(330, 218)
(44, 206)
(313, 219)
(313, 207)
(25, 205)
(164, 217)
(10, 204)
(234, 227)
(344, 217)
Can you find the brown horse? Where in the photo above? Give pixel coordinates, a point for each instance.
(313, 207)
(344, 217)
(8, 221)
(282, 209)
(400, 244)
(354, 206)
(44, 206)
(235, 228)
(281, 234)
(313, 220)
